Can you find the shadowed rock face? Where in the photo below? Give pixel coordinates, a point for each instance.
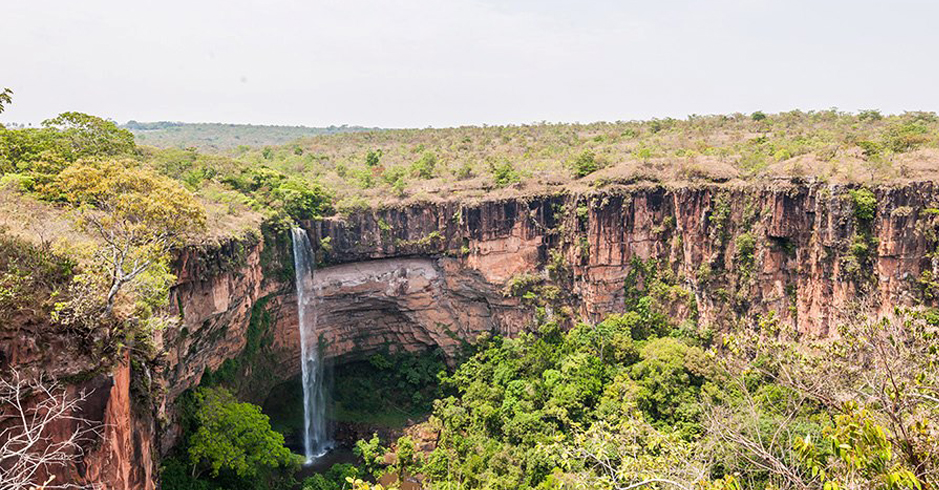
(400, 304)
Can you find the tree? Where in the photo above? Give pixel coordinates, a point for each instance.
(233, 436)
(30, 409)
(877, 387)
(87, 135)
(426, 166)
(585, 164)
(372, 454)
(633, 454)
(6, 97)
(372, 158)
(136, 214)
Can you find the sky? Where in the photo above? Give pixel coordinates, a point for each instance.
(420, 63)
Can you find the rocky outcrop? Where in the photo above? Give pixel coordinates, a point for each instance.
(124, 458)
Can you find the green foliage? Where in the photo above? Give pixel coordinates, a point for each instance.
(864, 204)
(41, 153)
(83, 136)
(372, 158)
(299, 199)
(336, 478)
(6, 97)
(585, 164)
(855, 447)
(745, 245)
(720, 216)
(906, 136)
(372, 454)
(758, 116)
(407, 459)
(504, 174)
(426, 167)
(233, 436)
(387, 389)
(517, 397)
(870, 115)
(30, 277)
(668, 379)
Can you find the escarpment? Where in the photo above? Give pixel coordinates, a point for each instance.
(439, 275)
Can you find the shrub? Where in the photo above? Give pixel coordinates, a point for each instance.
(585, 164)
(372, 158)
(864, 203)
(870, 115)
(505, 174)
(465, 171)
(746, 246)
(906, 137)
(304, 200)
(425, 167)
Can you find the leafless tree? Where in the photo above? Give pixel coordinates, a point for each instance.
(631, 455)
(30, 409)
(890, 366)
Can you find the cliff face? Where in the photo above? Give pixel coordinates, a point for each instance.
(794, 249)
(436, 275)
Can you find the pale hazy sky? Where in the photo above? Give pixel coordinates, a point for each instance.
(419, 63)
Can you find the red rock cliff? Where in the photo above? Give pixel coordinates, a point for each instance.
(434, 275)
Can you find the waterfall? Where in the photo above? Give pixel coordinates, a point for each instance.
(315, 438)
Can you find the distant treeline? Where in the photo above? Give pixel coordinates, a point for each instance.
(219, 137)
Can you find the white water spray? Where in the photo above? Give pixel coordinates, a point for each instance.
(316, 441)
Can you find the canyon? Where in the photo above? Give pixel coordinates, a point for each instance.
(440, 274)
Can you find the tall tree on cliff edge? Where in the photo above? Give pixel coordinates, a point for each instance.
(137, 215)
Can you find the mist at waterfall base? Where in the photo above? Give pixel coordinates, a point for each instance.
(316, 437)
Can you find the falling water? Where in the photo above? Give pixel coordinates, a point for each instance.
(315, 438)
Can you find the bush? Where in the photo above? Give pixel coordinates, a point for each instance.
(906, 137)
(870, 115)
(504, 174)
(585, 164)
(372, 158)
(304, 200)
(425, 167)
(864, 203)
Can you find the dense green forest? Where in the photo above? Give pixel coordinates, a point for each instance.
(638, 400)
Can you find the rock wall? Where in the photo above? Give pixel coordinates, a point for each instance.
(800, 266)
(434, 275)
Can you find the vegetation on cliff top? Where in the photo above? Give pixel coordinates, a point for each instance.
(472, 162)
